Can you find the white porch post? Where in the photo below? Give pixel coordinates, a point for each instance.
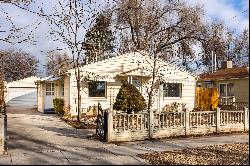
(246, 124)
(217, 120)
(187, 122)
(109, 125)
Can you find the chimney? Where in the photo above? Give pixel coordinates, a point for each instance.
(226, 64)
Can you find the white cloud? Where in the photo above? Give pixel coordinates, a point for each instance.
(226, 10)
(222, 9)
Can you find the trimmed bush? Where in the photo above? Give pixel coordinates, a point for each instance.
(58, 106)
(129, 99)
(173, 107)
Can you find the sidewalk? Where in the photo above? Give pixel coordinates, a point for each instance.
(140, 147)
(122, 153)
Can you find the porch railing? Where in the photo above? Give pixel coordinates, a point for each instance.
(227, 100)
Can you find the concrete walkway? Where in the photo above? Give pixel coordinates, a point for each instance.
(36, 138)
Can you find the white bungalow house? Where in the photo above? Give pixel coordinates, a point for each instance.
(101, 82)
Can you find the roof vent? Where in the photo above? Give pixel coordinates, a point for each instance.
(226, 64)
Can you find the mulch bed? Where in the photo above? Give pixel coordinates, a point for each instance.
(81, 125)
(78, 125)
(228, 154)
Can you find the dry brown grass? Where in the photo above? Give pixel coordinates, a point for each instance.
(228, 154)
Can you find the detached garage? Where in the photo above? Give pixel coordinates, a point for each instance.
(22, 91)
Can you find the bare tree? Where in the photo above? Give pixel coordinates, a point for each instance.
(161, 28)
(240, 53)
(17, 65)
(68, 22)
(226, 44)
(57, 63)
(12, 33)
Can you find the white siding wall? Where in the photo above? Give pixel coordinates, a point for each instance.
(66, 90)
(187, 94)
(115, 65)
(40, 97)
(112, 90)
(73, 94)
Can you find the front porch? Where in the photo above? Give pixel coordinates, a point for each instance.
(50, 88)
(229, 103)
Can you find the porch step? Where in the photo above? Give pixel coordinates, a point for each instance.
(49, 111)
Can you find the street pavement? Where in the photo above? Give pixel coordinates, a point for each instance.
(36, 138)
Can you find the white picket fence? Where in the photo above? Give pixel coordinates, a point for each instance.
(131, 127)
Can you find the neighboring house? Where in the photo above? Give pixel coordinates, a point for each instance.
(232, 82)
(21, 88)
(101, 82)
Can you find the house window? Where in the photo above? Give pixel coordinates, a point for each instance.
(199, 84)
(210, 85)
(230, 89)
(62, 89)
(172, 90)
(50, 87)
(97, 89)
(227, 89)
(137, 83)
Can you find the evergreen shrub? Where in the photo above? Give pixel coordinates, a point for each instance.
(129, 99)
(58, 106)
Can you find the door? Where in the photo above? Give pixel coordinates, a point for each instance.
(49, 96)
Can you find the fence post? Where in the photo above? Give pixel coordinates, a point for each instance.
(246, 124)
(4, 130)
(187, 122)
(151, 123)
(217, 120)
(109, 125)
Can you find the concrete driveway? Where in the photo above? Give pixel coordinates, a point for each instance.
(36, 138)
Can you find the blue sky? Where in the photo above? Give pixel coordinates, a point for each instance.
(231, 11)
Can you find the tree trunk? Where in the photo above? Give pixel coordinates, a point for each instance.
(78, 85)
(150, 96)
(78, 100)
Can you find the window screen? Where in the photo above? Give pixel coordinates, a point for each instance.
(172, 89)
(97, 89)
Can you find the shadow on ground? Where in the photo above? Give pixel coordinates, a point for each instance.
(49, 152)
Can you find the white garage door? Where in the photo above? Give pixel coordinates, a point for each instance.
(22, 95)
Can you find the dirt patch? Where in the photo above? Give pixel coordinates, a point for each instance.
(228, 154)
(81, 125)
(87, 122)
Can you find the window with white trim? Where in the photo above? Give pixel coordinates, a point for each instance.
(97, 89)
(50, 88)
(136, 82)
(210, 85)
(172, 89)
(227, 89)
